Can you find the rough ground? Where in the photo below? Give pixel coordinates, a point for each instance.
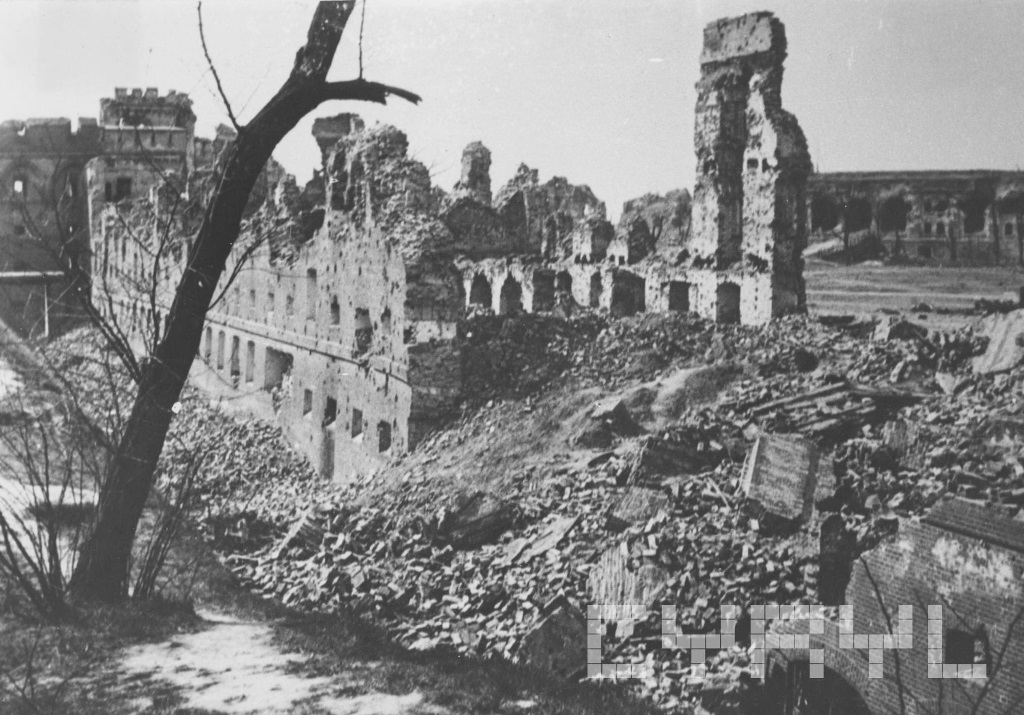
(236, 652)
(529, 445)
(389, 617)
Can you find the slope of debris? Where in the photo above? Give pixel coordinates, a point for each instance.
(619, 453)
(606, 462)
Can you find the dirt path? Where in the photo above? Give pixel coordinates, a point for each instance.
(235, 667)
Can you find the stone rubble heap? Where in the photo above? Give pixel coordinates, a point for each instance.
(498, 558)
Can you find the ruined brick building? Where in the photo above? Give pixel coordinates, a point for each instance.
(42, 182)
(342, 320)
(960, 570)
(936, 217)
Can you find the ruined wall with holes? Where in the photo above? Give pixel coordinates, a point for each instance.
(752, 165)
(966, 561)
(339, 323)
(342, 323)
(42, 180)
(932, 217)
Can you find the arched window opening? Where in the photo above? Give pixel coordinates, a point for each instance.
(383, 436)
(679, 296)
(511, 298)
(824, 213)
(628, 294)
(595, 290)
(543, 291)
(364, 331)
(480, 292)
(728, 309)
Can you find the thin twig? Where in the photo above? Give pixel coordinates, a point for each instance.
(362, 24)
(213, 70)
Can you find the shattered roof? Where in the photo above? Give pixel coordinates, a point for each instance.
(978, 521)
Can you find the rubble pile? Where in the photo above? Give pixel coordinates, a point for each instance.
(497, 532)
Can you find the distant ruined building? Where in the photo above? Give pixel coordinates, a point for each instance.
(931, 217)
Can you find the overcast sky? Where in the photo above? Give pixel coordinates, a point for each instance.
(599, 91)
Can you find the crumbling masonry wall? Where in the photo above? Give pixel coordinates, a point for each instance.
(752, 166)
(963, 557)
(339, 325)
(342, 325)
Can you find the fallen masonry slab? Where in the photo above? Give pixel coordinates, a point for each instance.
(482, 520)
(548, 539)
(621, 578)
(781, 474)
(902, 437)
(657, 457)
(635, 507)
(557, 642)
(892, 328)
(308, 532)
(1006, 343)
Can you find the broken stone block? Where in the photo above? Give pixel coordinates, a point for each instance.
(480, 521)
(891, 328)
(557, 642)
(901, 438)
(781, 474)
(657, 457)
(946, 382)
(1004, 351)
(547, 539)
(609, 418)
(635, 507)
(308, 532)
(620, 578)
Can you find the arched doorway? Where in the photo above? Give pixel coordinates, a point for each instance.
(824, 213)
(543, 291)
(511, 297)
(796, 693)
(728, 308)
(595, 290)
(480, 292)
(628, 294)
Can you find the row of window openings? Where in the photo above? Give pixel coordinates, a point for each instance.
(356, 426)
(278, 364)
(364, 326)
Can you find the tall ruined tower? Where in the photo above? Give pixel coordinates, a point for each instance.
(752, 166)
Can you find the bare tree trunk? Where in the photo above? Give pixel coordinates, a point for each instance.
(102, 571)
